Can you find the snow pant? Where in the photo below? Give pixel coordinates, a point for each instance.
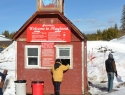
(110, 80)
(1, 92)
(57, 87)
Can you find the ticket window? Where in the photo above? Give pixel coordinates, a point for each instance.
(65, 53)
(65, 61)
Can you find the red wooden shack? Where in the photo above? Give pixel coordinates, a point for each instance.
(48, 35)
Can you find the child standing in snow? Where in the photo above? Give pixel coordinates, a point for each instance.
(111, 70)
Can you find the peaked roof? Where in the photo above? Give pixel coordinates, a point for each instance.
(40, 14)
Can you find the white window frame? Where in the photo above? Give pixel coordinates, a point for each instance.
(26, 57)
(65, 57)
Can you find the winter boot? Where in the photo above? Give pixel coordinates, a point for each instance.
(55, 92)
(58, 93)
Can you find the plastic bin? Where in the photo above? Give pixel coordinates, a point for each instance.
(20, 87)
(37, 87)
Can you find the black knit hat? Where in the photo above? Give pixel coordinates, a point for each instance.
(110, 56)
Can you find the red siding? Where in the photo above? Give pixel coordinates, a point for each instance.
(72, 81)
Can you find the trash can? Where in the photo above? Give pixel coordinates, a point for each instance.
(37, 87)
(20, 87)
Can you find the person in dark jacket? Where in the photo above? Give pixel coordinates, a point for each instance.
(57, 70)
(111, 70)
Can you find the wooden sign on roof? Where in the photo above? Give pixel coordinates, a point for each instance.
(50, 5)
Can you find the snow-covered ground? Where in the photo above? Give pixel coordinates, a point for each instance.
(97, 53)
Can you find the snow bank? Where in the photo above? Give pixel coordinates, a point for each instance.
(8, 54)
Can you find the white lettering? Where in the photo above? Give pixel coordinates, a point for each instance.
(36, 28)
(58, 29)
(44, 25)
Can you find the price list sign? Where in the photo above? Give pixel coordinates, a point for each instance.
(48, 33)
(47, 54)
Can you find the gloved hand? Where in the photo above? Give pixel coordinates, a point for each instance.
(116, 74)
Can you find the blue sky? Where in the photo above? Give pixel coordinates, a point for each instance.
(88, 15)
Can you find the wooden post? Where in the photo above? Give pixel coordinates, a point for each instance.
(2, 81)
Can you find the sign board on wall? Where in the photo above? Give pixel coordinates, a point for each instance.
(47, 54)
(48, 33)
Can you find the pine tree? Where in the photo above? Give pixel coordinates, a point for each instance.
(6, 33)
(115, 27)
(99, 34)
(123, 19)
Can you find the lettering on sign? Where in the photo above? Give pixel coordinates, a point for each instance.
(47, 45)
(48, 58)
(48, 33)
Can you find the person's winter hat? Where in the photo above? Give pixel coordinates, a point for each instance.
(58, 60)
(110, 56)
